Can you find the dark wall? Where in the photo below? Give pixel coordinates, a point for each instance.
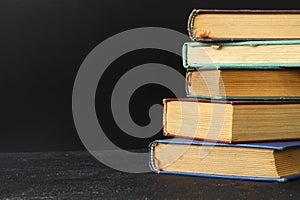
(42, 45)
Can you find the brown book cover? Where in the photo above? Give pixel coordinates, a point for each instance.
(244, 84)
(286, 28)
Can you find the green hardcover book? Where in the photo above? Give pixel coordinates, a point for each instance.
(242, 55)
(262, 70)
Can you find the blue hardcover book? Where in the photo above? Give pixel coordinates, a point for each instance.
(268, 161)
(242, 55)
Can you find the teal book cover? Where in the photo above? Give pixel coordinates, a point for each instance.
(275, 54)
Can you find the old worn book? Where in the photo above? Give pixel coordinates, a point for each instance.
(212, 25)
(276, 161)
(255, 83)
(232, 121)
(259, 54)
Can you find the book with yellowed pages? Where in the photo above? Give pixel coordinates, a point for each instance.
(271, 161)
(244, 84)
(232, 121)
(211, 25)
(237, 55)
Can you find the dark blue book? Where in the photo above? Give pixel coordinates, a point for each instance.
(267, 161)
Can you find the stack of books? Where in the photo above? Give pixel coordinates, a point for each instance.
(241, 117)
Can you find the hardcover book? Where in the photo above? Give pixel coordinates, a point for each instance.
(244, 84)
(229, 25)
(232, 121)
(277, 161)
(258, 54)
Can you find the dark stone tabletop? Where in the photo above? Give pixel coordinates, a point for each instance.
(77, 175)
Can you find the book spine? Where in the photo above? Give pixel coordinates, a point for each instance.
(187, 82)
(184, 55)
(152, 164)
(190, 24)
(165, 117)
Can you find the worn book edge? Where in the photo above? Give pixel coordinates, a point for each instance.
(194, 12)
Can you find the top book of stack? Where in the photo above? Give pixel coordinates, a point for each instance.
(241, 25)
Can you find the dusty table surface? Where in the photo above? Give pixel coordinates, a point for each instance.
(77, 175)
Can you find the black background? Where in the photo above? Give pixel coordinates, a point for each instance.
(42, 45)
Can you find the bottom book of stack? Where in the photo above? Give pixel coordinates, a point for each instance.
(263, 161)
